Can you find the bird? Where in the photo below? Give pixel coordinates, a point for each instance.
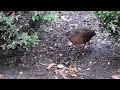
(80, 36)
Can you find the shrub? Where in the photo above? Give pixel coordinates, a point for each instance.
(46, 16)
(110, 21)
(17, 32)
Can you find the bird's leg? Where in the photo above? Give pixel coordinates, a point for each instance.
(83, 51)
(89, 44)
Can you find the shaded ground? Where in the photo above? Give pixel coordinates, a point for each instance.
(101, 61)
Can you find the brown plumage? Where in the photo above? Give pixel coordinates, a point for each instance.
(80, 36)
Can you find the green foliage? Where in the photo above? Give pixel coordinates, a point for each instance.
(47, 16)
(15, 34)
(110, 21)
(26, 40)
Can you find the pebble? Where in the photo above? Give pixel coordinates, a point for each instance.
(20, 73)
(88, 69)
(60, 66)
(61, 54)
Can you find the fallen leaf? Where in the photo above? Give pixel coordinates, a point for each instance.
(50, 65)
(64, 18)
(118, 70)
(1, 77)
(74, 71)
(116, 76)
(61, 72)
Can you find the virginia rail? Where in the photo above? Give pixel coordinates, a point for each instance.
(80, 36)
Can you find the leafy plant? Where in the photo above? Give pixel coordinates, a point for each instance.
(49, 16)
(110, 21)
(13, 36)
(16, 32)
(26, 40)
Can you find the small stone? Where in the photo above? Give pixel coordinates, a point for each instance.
(60, 54)
(90, 63)
(74, 75)
(20, 73)
(103, 42)
(31, 77)
(69, 43)
(60, 66)
(1, 77)
(55, 77)
(83, 53)
(55, 44)
(88, 69)
(108, 63)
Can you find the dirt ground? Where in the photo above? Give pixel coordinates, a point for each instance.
(55, 58)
